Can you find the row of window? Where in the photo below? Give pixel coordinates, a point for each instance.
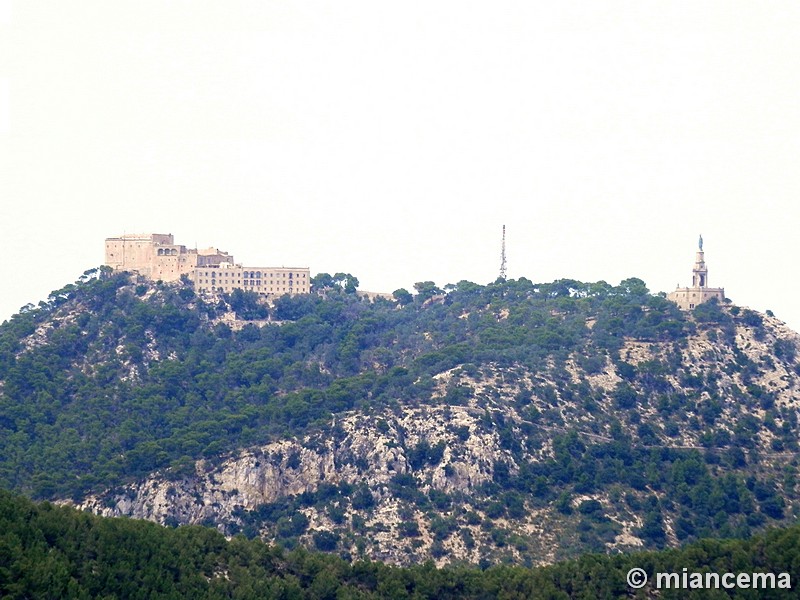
(265, 291)
(253, 274)
(250, 282)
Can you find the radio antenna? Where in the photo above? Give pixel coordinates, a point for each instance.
(503, 256)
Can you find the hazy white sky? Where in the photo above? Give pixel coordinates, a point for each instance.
(393, 140)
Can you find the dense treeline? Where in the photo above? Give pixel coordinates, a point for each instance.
(56, 552)
(107, 380)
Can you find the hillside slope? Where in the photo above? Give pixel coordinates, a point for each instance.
(510, 422)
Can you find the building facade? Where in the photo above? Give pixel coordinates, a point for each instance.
(689, 297)
(157, 257)
(266, 281)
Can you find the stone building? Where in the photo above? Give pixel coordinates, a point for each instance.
(266, 281)
(157, 257)
(688, 297)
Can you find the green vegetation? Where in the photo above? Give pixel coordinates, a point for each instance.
(57, 552)
(110, 380)
(103, 383)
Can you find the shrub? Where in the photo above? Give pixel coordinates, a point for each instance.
(325, 541)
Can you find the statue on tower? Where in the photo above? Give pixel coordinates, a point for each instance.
(700, 243)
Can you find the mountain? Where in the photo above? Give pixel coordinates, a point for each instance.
(512, 422)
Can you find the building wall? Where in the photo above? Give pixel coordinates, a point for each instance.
(174, 262)
(158, 257)
(266, 281)
(135, 252)
(155, 255)
(688, 298)
(213, 256)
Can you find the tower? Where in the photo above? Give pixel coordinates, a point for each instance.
(503, 256)
(688, 298)
(700, 271)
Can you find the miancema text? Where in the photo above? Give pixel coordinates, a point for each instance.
(688, 581)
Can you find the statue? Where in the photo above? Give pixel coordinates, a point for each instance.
(701, 242)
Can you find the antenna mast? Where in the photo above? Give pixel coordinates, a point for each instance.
(503, 256)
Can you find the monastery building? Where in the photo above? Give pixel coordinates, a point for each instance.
(156, 256)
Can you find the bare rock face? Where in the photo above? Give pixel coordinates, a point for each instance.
(422, 471)
(358, 449)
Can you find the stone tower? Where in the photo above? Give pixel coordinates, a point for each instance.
(700, 271)
(689, 297)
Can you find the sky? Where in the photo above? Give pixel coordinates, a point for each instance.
(393, 140)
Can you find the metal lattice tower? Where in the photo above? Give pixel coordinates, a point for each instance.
(503, 256)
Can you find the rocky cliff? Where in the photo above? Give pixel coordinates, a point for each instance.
(429, 472)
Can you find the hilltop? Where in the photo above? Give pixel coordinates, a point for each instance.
(513, 421)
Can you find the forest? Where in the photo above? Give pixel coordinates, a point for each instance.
(48, 551)
(112, 379)
(93, 406)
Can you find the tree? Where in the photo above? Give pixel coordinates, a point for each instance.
(633, 286)
(426, 290)
(247, 305)
(625, 396)
(652, 531)
(326, 540)
(403, 296)
(346, 282)
(321, 281)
